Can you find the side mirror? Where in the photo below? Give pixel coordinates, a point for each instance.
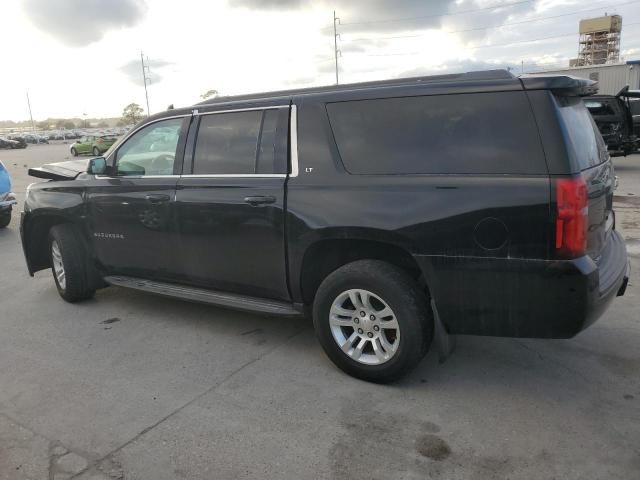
(97, 166)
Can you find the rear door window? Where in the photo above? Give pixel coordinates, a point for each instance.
(584, 142)
(239, 143)
(466, 134)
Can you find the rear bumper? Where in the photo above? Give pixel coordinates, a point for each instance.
(525, 298)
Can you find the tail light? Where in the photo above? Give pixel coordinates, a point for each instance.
(572, 217)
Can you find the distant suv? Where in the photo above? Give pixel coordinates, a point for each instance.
(614, 117)
(94, 144)
(480, 202)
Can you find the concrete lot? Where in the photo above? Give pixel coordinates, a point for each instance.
(135, 386)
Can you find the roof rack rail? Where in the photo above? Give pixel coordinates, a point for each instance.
(485, 75)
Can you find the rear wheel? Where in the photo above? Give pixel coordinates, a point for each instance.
(68, 264)
(372, 320)
(74, 152)
(96, 152)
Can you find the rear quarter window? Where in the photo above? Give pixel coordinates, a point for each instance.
(465, 134)
(584, 143)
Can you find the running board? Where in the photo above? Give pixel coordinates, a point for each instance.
(200, 295)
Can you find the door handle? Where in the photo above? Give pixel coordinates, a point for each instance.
(157, 198)
(259, 200)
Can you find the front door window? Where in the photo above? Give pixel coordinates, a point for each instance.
(150, 151)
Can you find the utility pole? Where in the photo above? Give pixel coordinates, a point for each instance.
(145, 79)
(33, 127)
(336, 21)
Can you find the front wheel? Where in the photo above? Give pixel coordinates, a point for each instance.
(96, 152)
(74, 152)
(5, 218)
(68, 264)
(372, 320)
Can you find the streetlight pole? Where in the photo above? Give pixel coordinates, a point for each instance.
(33, 127)
(144, 80)
(336, 20)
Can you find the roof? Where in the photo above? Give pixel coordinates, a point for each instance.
(480, 76)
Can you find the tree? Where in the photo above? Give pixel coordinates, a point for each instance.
(132, 113)
(69, 125)
(209, 94)
(102, 124)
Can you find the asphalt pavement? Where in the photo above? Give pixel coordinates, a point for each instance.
(131, 385)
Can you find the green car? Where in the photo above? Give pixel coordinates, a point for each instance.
(95, 144)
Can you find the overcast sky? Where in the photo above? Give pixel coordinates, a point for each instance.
(83, 56)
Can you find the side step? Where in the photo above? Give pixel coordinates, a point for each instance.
(200, 295)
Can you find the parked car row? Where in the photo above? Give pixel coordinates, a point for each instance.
(45, 137)
(12, 143)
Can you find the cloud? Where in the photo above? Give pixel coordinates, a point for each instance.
(133, 70)
(77, 23)
(270, 4)
(368, 10)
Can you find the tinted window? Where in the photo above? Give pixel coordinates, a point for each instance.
(599, 108)
(151, 150)
(584, 142)
(227, 143)
(468, 133)
(635, 106)
(240, 143)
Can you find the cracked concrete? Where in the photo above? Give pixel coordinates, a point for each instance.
(181, 391)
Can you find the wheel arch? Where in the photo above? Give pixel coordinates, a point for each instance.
(36, 239)
(327, 255)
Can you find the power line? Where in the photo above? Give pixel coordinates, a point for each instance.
(495, 26)
(520, 42)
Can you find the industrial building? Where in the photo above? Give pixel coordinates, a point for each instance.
(599, 41)
(599, 56)
(611, 78)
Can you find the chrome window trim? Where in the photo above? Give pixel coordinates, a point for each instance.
(250, 109)
(124, 177)
(294, 140)
(237, 175)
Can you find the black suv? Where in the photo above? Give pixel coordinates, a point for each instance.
(480, 202)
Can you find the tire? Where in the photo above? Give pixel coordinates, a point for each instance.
(5, 219)
(74, 152)
(386, 286)
(96, 152)
(67, 250)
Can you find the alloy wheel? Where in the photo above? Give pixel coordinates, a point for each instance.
(364, 327)
(58, 267)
